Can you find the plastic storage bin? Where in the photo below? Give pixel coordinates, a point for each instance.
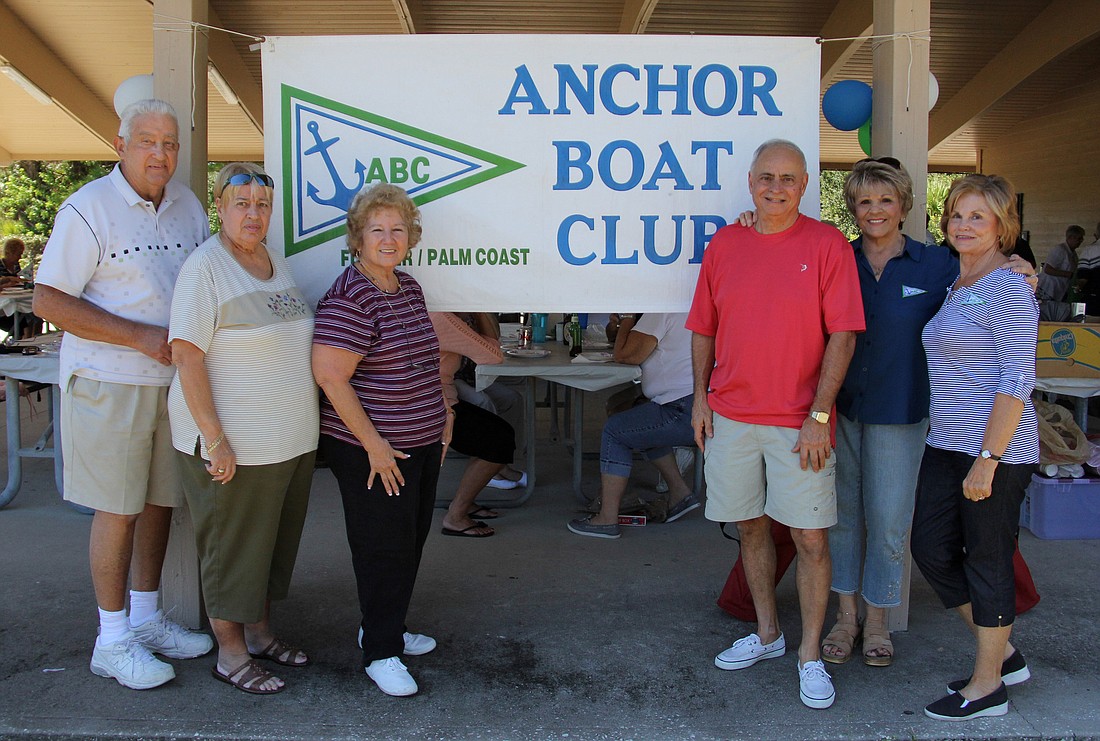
(1062, 509)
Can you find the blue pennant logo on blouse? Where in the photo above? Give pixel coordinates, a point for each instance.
(973, 299)
(909, 291)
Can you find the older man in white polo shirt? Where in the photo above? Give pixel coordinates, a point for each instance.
(106, 278)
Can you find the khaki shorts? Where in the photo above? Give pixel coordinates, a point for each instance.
(751, 471)
(117, 447)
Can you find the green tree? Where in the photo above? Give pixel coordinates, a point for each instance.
(938, 185)
(833, 208)
(31, 192)
(835, 211)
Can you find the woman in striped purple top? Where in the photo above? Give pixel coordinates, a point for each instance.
(384, 425)
(983, 443)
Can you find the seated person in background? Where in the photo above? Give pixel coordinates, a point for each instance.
(502, 399)
(486, 438)
(661, 344)
(11, 276)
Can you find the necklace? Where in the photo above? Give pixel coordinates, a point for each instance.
(979, 271)
(363, 271)
(896, 252)
(419, 365)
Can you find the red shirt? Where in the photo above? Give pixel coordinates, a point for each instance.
(771, 301)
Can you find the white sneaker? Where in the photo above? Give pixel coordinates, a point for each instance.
(499, 482)
(392, 677)
(416, 644)
(815, 687)
(130, 664)
(749, 650)
(162, 636)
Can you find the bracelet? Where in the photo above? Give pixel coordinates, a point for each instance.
(210, 447)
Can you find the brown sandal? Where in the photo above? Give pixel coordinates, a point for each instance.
(843, 637)
(876, 637)
(282, 654)
(247, 677)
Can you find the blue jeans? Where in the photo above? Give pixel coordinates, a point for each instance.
(651, 428)
(876, 483)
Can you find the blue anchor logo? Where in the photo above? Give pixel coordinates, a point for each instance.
(342, 194)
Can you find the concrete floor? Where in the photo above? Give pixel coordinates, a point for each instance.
(543, 634)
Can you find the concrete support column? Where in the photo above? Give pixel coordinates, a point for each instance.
(899, 126)
(179, 76)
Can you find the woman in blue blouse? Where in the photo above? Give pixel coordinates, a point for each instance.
(882, 409)
(983, 443)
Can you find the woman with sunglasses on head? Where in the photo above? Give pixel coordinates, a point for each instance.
(384, 423)
(244, 416)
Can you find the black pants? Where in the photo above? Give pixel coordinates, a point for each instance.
(964, 548)
(386, 535)
(481, 434)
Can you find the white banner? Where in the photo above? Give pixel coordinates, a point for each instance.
(553, 173)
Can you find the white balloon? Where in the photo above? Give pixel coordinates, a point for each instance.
(133, 89)
(933, 91)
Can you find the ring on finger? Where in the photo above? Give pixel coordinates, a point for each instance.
(221, 470)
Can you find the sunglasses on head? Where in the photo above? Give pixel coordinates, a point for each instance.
(244, 178)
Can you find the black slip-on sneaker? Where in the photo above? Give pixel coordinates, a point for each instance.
(1013, 671)
(954, 706)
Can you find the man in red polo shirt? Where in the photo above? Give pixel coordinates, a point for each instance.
(774, 319)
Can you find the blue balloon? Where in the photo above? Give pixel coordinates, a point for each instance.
(847, 104)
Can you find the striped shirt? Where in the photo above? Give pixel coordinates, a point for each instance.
(982, 343)
(256, 336)
(397, 379)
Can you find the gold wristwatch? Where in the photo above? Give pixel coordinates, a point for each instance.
(822, 417)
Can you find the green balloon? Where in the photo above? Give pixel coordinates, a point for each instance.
(865, 137)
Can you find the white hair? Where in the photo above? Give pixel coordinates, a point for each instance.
(146, 107)
(778, 144)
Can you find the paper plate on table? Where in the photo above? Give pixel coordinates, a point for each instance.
(597, 345)
(527, 352)
(596, 357)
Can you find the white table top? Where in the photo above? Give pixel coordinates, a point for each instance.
(19, 300)
(41, 368)
(557, 367)
(1080, 387)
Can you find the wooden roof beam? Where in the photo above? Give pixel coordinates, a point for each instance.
(849, 18)
(5, 157)
(1061, 26)
(25, 51)
(222, 52)
(636, 15)
(410, 14)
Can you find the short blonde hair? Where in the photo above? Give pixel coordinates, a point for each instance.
(998, 194)
(869, 172)
(380, 197)
(237, 168)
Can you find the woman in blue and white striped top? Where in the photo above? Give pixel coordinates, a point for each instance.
(983, 443)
